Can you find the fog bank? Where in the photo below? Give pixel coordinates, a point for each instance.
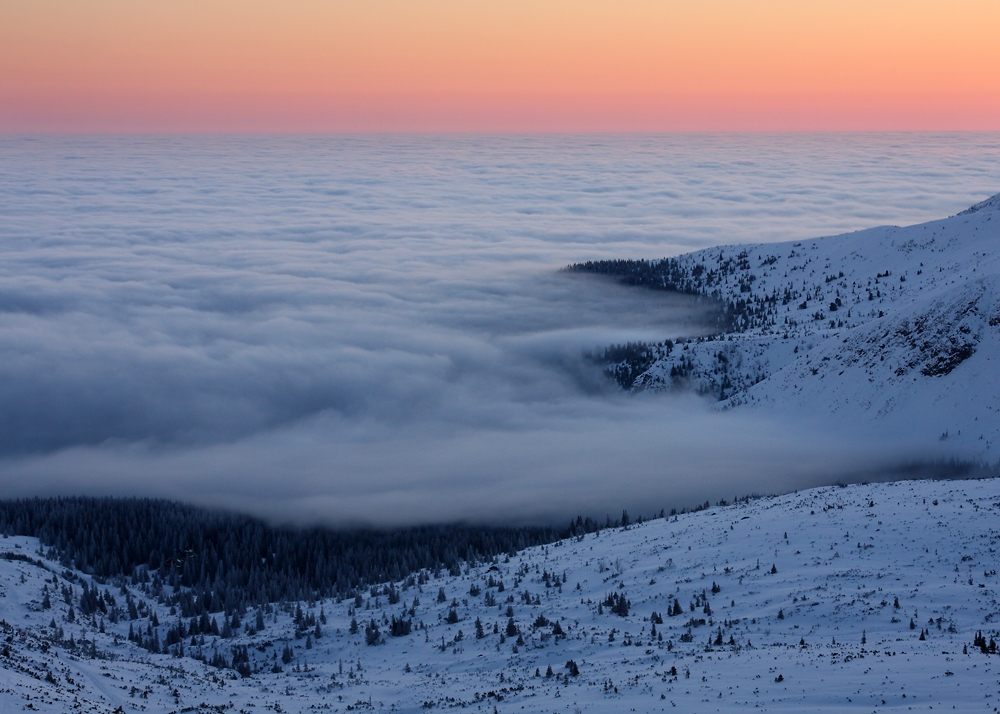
(374, 330)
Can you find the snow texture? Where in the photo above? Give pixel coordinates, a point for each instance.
(856, 598)
(894, 329)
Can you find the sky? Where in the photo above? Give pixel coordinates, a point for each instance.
(140, 66)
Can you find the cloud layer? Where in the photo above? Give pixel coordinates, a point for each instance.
(373, 329)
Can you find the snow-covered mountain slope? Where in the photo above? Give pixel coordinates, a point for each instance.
(861, 598)
(894, 328)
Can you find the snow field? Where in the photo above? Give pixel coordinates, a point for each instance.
(805, 594)
(897, 329)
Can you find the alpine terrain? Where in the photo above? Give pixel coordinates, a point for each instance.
(894, 329)
(873, 598)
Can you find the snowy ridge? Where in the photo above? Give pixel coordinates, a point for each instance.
(993, 202)
(860, 598)
(898, 328)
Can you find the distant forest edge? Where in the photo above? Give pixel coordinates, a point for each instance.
(208, 561)
(736, 314)
(625, 363)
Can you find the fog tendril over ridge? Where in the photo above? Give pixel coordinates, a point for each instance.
(374, 329)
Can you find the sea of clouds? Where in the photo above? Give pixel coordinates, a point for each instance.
(374, 329)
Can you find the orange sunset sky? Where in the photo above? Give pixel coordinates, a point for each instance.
(513, 65)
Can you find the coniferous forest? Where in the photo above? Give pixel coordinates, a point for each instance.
(207, 561)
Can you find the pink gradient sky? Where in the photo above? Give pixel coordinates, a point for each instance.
(461, 65)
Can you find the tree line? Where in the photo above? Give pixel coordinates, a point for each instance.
(205, 561)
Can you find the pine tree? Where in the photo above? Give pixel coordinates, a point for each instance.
(372, 634)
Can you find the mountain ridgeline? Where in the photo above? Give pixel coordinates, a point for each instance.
(897, 328)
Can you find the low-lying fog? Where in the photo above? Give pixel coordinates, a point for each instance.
(374, 329)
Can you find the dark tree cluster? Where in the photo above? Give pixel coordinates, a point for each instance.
(625, 363)
(221, 572)
(690, 278)
(618, 604)
(400, 627)
(209, 561)
(372, 634)
(979, 642)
